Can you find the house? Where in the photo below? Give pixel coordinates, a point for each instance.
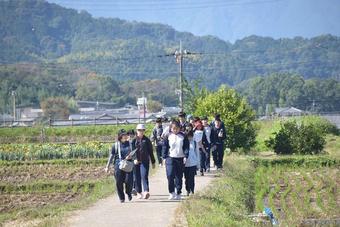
(29, 114)
(288, 112)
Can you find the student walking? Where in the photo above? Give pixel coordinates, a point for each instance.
(200, 139)
(175, 152)
(131, 133)
(156, 138)
(144, 153)
(121, 150)
(191, 165)
(182, 121)
(218, 137)
(207, 145)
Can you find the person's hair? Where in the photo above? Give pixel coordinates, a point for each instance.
(190, 133)
(175, 123)
(131, 132)
(196, 119)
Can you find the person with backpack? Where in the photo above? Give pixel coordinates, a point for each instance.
(144, 153)
(191, 164)
(218, 136)
(121, 150)
(156, 138)
(175, 152)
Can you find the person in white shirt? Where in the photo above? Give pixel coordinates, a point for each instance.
(175, 152)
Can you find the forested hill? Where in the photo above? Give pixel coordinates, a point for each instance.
(43, 33)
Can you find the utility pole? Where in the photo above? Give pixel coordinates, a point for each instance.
(14, 109)
(144, 107)
(179, 60)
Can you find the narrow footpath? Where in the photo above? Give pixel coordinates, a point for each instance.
(156, 211)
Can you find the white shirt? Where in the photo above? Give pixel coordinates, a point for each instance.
(193, 158)
(198, 135)
(176, 145)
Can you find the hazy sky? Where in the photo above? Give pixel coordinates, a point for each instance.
(226, 19)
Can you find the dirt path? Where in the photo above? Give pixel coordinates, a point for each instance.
(156, 211)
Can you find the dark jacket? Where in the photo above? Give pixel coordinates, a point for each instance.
(144, 150)
(125, 149)
(166, 145)
(184, 126)
(215, 139)
(157, 135)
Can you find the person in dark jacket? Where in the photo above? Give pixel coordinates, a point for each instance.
(207, 145)
(182, 121)
(156, 138)
(123, 147)
(175, 152)
(144, 153)
(218, 135)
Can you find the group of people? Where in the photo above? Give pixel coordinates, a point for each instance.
(183, 147)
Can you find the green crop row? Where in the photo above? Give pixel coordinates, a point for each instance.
(25, 152)
(307, 161)
(66, 130)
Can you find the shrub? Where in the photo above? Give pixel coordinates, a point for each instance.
(297, 139)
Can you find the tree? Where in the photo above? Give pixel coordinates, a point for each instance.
(55, 108)
(236, 114)
(154, 106)
(97, 88)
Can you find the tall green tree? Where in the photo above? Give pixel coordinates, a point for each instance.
(236, 114)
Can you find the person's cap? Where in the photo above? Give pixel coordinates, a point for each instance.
(181, 114)
(122, 132)
(189, 117)
(158, 120)
(140, 127)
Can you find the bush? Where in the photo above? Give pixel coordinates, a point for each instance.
(297, 139)
(323, 124)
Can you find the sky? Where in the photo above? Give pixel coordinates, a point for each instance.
(227, 19)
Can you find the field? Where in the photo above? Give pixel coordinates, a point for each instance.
(41, 181)
(45, 190)
(298, 190)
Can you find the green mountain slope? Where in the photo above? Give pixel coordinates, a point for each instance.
(40, 32)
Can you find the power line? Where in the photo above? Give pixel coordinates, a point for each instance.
(235, 68)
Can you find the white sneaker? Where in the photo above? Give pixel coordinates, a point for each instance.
(178, 197)
(172, 196)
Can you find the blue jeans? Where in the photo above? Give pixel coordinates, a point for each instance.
(159, 153)
(174, 173)
(121, 179)
(141, 172)
(189, 175)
